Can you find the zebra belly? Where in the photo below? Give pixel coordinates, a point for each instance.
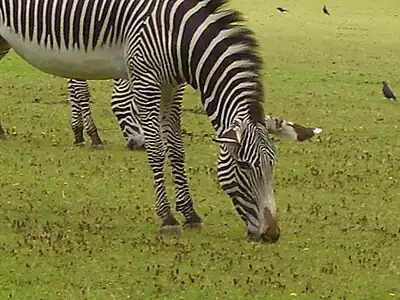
(102, 63)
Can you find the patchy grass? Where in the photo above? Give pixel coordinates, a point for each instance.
(80, 224)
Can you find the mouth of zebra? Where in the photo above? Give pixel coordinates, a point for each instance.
(270, 232)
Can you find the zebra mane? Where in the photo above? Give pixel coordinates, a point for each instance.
(243, 36)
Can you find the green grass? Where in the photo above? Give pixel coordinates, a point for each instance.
(80, 224)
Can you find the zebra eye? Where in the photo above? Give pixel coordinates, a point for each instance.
(243, 165)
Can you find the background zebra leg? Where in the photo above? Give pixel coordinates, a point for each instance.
(3, 135)
(124, 108)
(90, 126)
(76, 115)
(82, 99)
(171, 127)
(148, 95)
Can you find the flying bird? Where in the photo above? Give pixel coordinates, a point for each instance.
(387, 92)
(325, 10)
(281, 9)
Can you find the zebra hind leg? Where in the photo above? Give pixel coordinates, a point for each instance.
(147, 94)
(82, 100)
(171, 126)
(76, 115)
(90, 126)
(124, 108)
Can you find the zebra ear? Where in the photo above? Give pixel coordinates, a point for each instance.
(232, 135)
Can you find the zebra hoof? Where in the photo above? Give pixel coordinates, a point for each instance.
(170, 226)
(193, 226)
(194, 222)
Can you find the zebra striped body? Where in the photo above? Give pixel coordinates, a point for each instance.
(159, 45)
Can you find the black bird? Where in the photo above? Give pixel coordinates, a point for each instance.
(281, 9)
(387, 92)
(325, 10)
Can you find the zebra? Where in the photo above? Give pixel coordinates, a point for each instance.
(160, 46)
(127, 114)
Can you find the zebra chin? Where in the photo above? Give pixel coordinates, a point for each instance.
(269, 236)
(269, 232)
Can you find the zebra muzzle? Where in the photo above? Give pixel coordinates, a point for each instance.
(272, 232)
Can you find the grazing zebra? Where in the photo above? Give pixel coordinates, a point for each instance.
(159, 46)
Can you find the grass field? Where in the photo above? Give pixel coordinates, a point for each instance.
(80, 224)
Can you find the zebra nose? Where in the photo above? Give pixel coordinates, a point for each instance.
(272, 235)
(272, 232)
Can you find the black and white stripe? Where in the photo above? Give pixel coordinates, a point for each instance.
(158, 45)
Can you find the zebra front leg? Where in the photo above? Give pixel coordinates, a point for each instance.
(171, 127)
(76, 115)
(124, 108)
(82, 94)
(148, 94)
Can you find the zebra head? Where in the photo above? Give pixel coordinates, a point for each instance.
(245, 172)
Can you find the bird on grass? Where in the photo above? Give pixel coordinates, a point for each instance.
(281, 9)
(387, 92)
(325, 10)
